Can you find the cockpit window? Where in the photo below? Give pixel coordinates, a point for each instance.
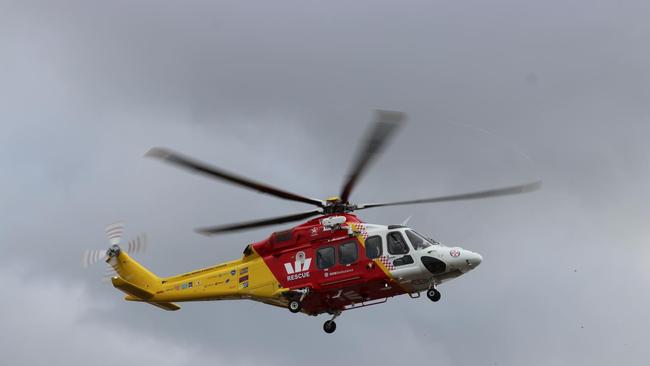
(418, 241)
(396, 243)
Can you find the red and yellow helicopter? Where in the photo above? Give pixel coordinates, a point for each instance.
(331, 263)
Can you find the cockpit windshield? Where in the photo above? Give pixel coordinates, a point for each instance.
(419, 241)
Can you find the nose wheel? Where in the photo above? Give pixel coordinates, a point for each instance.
(329, 326)
(433, 295)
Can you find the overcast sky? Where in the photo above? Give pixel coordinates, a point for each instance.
(497, 93)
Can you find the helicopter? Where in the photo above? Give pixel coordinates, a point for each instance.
(330, 263)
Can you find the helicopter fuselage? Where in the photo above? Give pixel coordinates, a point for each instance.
(328, 264)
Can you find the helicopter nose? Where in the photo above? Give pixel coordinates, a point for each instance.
(473, 259)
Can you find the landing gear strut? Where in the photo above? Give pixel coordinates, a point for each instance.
(433, 294)
(330, 325)
(295, 305)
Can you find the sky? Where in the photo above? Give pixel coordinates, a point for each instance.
(497, 93)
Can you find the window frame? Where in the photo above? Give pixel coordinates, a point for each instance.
(356, 252)
(407, 259)
(408, 248)
(317, 256)
(410, 232)
(381, 246)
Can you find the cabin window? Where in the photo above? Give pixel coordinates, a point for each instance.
(373, 247)
(325, 257)
(396, 243)
(348, 253)
(282, 236)
(407, 259)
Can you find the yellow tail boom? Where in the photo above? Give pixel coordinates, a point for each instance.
(245, 278)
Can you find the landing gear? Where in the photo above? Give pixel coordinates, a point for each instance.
(295, 302)
(329, 326)
(433, 294)
(295, 306)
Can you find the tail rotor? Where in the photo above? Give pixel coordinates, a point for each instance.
(137, 245)
(114, 233)
(91, 257)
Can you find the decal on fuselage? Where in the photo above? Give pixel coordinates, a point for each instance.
(335, 273)
(299, 268)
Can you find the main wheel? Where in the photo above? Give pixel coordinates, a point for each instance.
(295, 306)
(433, 295)
(329, 326)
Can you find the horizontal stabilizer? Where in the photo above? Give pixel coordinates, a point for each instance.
(131, 289)
(165, 305)
(138, 294)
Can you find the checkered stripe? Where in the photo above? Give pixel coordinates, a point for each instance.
(386, 262)
(361, 229)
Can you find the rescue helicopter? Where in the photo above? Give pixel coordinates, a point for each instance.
(330, 263)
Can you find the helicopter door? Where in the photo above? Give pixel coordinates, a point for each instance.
(403, 268)
(339, 263)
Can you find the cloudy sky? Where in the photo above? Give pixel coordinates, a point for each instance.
(497, 93)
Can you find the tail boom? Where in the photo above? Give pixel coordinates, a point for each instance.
(246, 278)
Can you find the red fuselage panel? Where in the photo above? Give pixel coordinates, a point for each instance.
(293, 259)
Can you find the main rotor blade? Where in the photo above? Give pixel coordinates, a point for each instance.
(257, 223)
(377, 137)
(524, 188)
(200, 167)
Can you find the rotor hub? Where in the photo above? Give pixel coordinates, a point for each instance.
(335, 205)
(113, 251)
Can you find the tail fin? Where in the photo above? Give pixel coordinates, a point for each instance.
(136, 281)
(134, 273)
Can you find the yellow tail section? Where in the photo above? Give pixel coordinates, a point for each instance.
(134, 273)
(245, 278)
(137, 282)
